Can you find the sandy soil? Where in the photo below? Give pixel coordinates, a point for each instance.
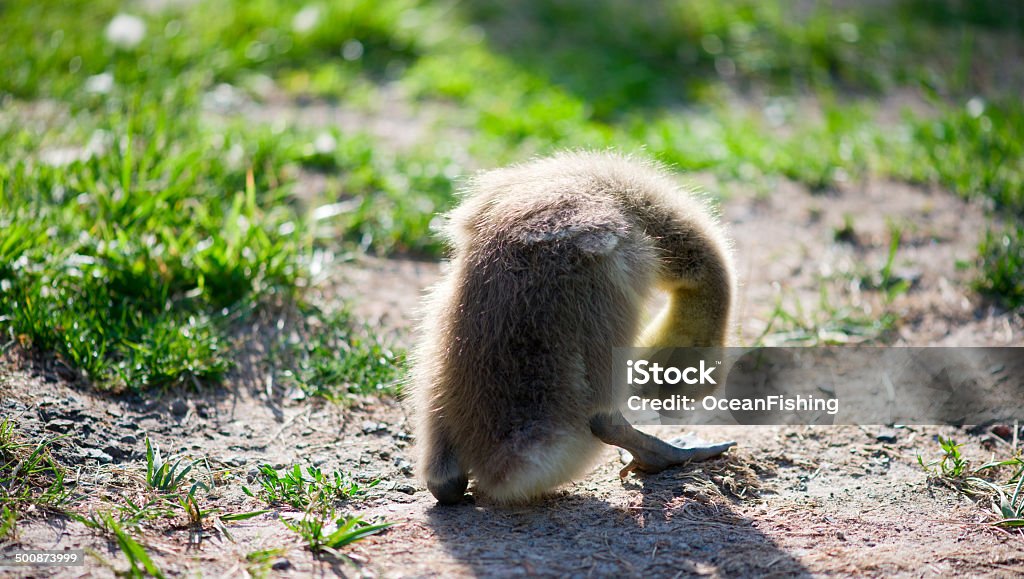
(787, 501)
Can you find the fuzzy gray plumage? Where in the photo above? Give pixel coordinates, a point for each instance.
(552, 263)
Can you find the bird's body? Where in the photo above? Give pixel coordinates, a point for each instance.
(552, 263)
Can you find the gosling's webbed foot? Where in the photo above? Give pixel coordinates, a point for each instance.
(679, 451)
(651, 454)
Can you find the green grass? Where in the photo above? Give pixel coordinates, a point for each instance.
(305, 489)
(1008, 499)
(30, 478)
(1002, 259)
(160, 499)
(316, 494)
(163, 476)
(974, 150)
(119, 530)
(1000, 482)
(260, 563)
(951, 464)
(134, 238)
(827, 322)
(341, 357)
(140, 223)
(677, 79)
(125, 263)
(377, 201)
(140, 564)
(329, 534)
(831, 321)
(226, 41)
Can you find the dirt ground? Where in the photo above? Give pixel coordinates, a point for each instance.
(787, 501)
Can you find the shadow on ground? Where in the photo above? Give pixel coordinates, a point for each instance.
(669, 532)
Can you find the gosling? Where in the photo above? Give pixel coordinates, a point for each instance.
(551, 265)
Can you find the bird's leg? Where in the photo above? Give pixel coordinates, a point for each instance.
(650, 454)
(445, 479)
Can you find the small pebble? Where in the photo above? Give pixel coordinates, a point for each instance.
(1001, 430)
(97, 455)
(888, 435)
(370, 427)
(405, 489)
(404, 466)
(179, 407)
(116, 452)
(203, 410)
(60, 425)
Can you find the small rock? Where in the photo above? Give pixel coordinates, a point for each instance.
(116, 452)
(203, 410)
(97, 455)
(887, 435)
(60, 425)
(179, 407)
(236, 461)
(404, 466)
(1001, 430)
(370, 427)
(281, 565)
(129, 439)
(405, 489)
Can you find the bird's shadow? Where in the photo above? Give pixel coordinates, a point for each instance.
(667, 528)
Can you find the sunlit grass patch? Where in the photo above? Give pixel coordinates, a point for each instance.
(317, 495)
(1001, 262)
(132, 258)
(340, 357)
(30, 478)
(166, 497)
(998, 482)
(975, 150)
(57, 50)
(333, 532)
(306, 488)
(125, 259)
(377, 201)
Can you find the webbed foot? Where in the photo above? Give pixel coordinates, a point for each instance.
(650, 454)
